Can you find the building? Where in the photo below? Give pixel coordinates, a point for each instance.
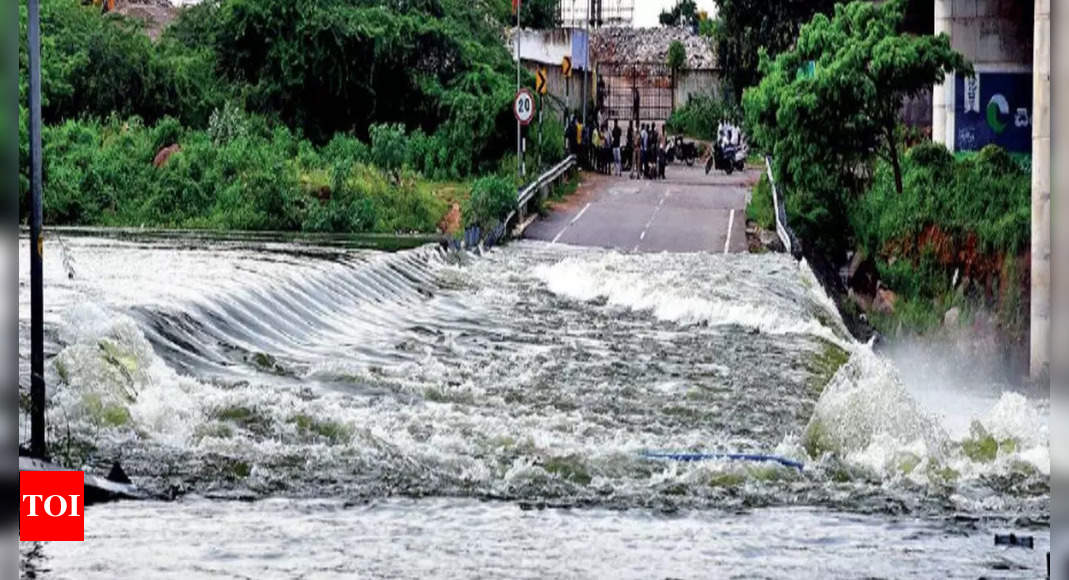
(624, 63)
(995, 105)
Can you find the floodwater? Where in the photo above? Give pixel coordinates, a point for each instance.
(312, 411)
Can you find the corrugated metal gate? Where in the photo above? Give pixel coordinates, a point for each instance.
(623, 87)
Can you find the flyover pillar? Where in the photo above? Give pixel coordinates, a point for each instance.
(1041, 187)
(942, 98)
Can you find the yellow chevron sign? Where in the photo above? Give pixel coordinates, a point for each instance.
(540, 81)
(566, 66)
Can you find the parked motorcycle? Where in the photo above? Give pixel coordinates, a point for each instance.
(684, 151)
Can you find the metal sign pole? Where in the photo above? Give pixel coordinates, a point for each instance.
(541, 128)
(37, 356)
(519, 143)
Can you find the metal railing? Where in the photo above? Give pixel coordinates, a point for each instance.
(551, 175)
(474, 236)
(784, 231)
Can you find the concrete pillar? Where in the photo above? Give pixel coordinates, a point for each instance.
(1041, 187)
(942, 95)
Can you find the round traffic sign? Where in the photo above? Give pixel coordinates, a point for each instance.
(524, 106)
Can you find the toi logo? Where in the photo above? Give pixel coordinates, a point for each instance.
(51, 506)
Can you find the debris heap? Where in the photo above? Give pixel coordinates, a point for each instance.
(650, 45)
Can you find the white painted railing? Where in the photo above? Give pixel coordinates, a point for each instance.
(786, 235)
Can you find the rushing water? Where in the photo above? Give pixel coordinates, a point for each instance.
(340, 412)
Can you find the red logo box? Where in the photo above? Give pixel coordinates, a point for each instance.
(51, 506)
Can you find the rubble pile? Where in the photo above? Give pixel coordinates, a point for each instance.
(618, 44)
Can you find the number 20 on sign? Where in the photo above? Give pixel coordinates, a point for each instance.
(524, 106)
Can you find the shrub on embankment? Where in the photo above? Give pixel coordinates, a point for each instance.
(255, 178)
(956, 236)
(938, 232)
(379, 101)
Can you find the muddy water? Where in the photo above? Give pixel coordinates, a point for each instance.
(419, 414)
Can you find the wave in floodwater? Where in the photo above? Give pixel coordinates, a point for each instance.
(537, 372)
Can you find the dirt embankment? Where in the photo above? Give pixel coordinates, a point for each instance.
(978, 303)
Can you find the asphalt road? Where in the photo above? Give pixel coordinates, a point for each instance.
(688, 212)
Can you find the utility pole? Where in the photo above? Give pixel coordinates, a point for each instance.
(37, 355)
(517, 4)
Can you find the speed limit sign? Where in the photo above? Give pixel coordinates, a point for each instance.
(524, 106)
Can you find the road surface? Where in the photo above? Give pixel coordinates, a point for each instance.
(688, 212)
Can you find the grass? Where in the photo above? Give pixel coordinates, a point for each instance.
(761, 209)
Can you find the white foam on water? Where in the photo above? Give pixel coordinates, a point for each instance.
(641, 283)
(112, 377)
(867, 416)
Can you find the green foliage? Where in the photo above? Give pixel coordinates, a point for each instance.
(746, 26)
(761, 208)
(677, 56)
(707, 27)
(227, 124)
(340, 65)
(540, 14)
(701, 114)
(828, 107)
(274, 105)
(261, 179)
(95, 65)
(987, 195)
(491, 199)
(389, 147)
(684, 13)
(978, 204)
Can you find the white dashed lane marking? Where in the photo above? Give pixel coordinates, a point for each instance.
(571, 223)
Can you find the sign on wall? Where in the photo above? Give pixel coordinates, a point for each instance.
(993, 108)
(579, 48)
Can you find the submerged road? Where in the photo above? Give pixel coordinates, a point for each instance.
(687, 212)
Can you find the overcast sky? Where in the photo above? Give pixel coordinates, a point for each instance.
(647, 11)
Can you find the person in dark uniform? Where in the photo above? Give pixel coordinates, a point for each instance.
(634, 104)
(616, 134)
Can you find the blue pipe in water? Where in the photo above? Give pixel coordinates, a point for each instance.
(756, 457)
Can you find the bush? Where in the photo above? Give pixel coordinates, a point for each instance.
(389, 146)
(98, 65)
(987, 195)
(491, 200)
(761, 208)
(701, 115)
(101, 173)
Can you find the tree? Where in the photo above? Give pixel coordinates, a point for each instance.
(340, 65)
(830, 106)
(746, 26)
(684, 13)
(540, 14)
(677, 56)
(677, 61)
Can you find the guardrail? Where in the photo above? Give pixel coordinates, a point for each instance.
(539, 186)
(552, 174)
(784, 231)
(474, 236)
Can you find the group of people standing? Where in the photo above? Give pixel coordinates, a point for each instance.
(649, 157)
(611, 151)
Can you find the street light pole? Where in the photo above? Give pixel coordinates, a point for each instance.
(37, 357)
